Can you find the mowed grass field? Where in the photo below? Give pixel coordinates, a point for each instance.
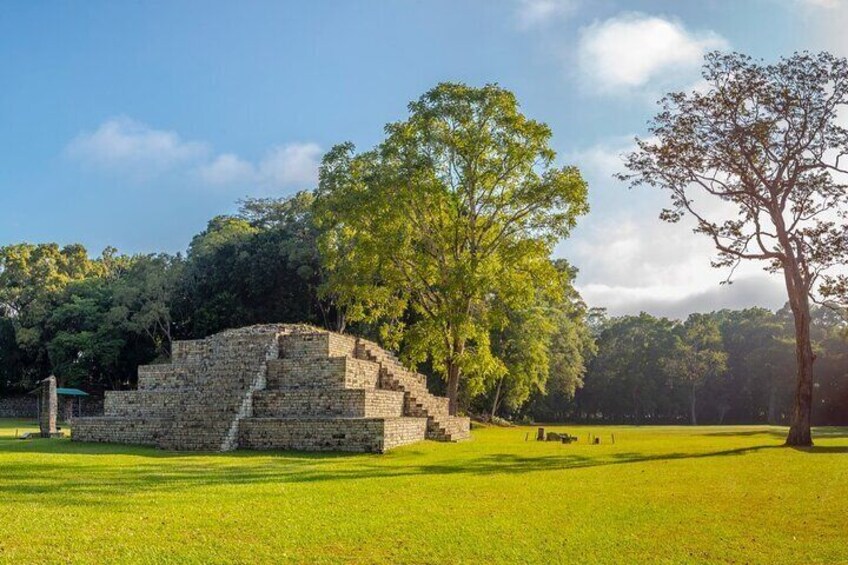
(659, 494)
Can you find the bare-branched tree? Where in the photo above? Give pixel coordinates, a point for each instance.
(766, 141)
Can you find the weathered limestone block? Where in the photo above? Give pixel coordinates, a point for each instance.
(316, 345)
(167, 377)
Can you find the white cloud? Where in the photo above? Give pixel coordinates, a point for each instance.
(633, 262)
(125, 144)
(824, 23)
(128, 147)
(227, 169)
(603, 160)
(630, 260)
(629, 51)
(828, 4)
(532, 13)
(294, 163)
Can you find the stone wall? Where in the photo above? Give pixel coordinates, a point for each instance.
(19, 407)
(322, 372)
(148, 403)
(26, 407)
(322, 434)
(104, 429)
(316, 345)
(166, 376)
(327, 403)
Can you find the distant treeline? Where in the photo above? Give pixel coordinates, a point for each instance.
(728, 367)
(91, 321)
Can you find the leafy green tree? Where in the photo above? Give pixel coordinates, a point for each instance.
(144, 296)
(289, 224)
(523, 346)
(697, 355)
(457, 210)
(545, 350)
(764, 140)
(259, 266)
(628, 379)
(84, 340)
(832, 371)
(10, 358)
(32, 278)
(758, 381)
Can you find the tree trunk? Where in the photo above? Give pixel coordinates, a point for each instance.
(692, 406)
(799, 423)
(636, 411)
(722, 412)
(341, 321)
(457, 349)
(771, 418)
(453, 387)
(497, 399)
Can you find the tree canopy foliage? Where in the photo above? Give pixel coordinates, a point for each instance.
(444, 231)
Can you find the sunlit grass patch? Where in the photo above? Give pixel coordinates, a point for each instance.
(667, 494)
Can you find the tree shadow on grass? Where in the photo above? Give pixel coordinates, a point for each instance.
(745, 433)
(818, 433)
(96, 481)
(823, 449)
(99, 484)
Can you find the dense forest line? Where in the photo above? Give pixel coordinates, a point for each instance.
(91, 321)
(727, 367)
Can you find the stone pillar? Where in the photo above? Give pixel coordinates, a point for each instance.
(49, 407)
(68, 409)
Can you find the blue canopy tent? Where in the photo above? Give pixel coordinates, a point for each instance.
(72, 399)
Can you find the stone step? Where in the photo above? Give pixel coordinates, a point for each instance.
(316, 345)
(417, 399)
(344, 403)
(452, 428)
(126, 430)
(322, 373)
(331, 434)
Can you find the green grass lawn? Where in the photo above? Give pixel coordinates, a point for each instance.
(660, 494)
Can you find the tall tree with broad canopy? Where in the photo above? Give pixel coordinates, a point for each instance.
(445, 225)
(763, 140)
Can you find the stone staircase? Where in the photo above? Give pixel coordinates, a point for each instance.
(275, 387)
(418, 401)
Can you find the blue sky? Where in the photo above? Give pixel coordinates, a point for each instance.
(132, 124)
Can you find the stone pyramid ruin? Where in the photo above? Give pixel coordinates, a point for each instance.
(275, 387)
